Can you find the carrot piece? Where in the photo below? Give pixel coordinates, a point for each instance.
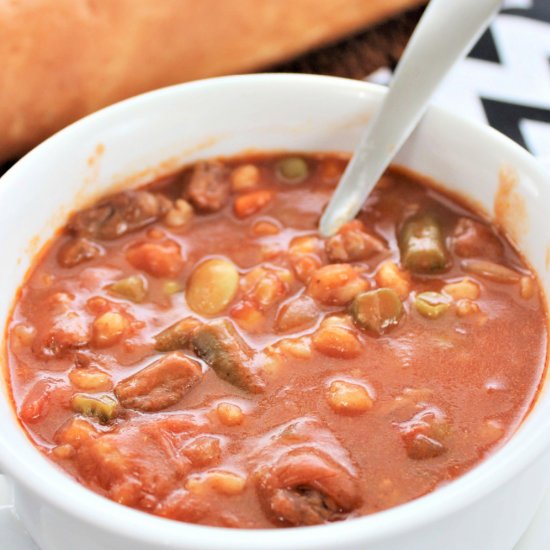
(250, 203)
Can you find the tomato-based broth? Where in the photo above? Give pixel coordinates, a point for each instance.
(196, 350)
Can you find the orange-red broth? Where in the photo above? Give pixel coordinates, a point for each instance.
(287, 455)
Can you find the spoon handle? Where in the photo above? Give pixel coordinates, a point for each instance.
(445, 33)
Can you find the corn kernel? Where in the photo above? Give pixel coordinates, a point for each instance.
(347, 398)
(335, 339)
(90, 379)
(390, 276)
(230, 414)
(299, 348)
(108, 329)
(463, 289)
(180, 215)
(226, 483)
(245, 178)
(64, 451)
(264, 229)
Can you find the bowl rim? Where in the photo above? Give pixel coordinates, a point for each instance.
(67, 495)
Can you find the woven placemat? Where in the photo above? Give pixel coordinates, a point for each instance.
(361, 54)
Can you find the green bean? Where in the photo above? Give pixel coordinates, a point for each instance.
(421, 244)
(176, 336)
(103, 407)
(431, 305)
(377, 310)
(223, 349)
(132, 288)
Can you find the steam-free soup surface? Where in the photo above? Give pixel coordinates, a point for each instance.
(196, 350)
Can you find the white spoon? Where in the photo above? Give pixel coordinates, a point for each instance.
(445, 33)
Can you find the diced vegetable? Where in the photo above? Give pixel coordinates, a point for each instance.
(265, 228)
(64, 452)
(76, 432)
(431, 305)
(212, 286)
(225, 483)
(336, 337)
(248, 316)
(104, 407)
(67, 330)
(424, 435)
(230, 414)
(180, 215)
(292, 169)
(306, 244)
(38, 400)
(245, 178)
(108, 329)
(224, 350)
(160, 259)
(298, 348)
(421, 244)
(422, 447)
(172, 287)
(252, 202)
(298, 314)
(177, 336)
(90, 379)
(304, 256)
(266, 286)
(490, 270)
(336, 284)
(463, 289)
(159, 385)
(348, 398)
(377, 310)
(390, 276)
(304, 266)
(203, 450)
(352, 244)
(133, 288)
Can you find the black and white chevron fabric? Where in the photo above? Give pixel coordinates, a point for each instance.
(505, 80)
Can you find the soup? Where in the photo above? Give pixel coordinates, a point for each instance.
(194, 349)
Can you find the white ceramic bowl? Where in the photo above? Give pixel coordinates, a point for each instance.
(487, 509)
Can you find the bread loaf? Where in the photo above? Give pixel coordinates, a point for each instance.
(62, 59)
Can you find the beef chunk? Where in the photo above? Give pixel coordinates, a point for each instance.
(209, 187)
(303, 475)
(306, 487)
(77, 251)
(119, 214)
(473, 239)
(220, 345)
(160, 385)
(139, 464)
(352, 244)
